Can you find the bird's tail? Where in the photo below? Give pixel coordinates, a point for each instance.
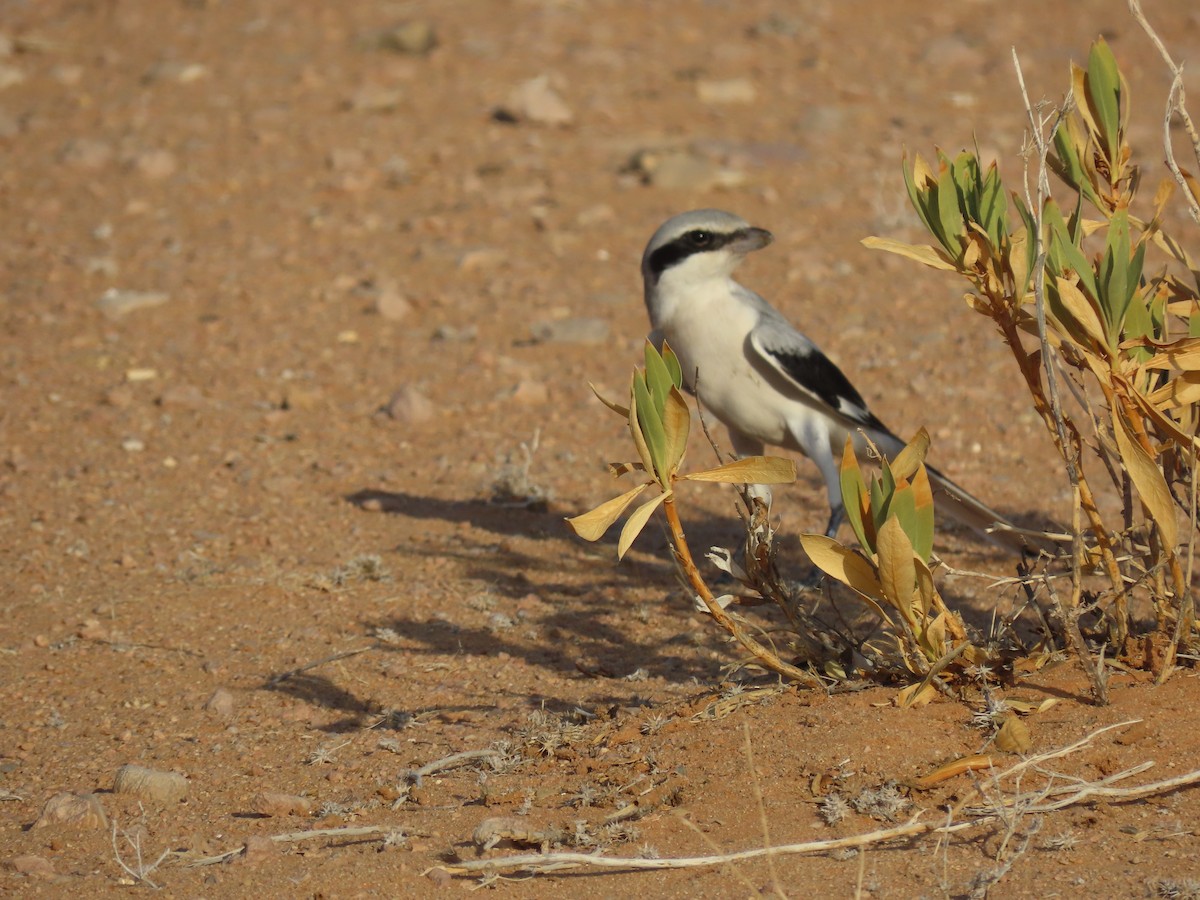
(967, 509)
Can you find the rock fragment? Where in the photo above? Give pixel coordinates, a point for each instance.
(150, 784)
(75, 810)
(536, 101)
(116, 303)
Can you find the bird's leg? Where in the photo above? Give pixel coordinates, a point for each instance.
(837, 515)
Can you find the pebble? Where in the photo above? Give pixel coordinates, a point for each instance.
(686, 170)
(9, 76)
(259, 849)
(86, 153)
(133, 445)
(416, 38)
(173, 70)
(155, 165)
(391, 304)
(150, 784)
(270, 803)
(78, 810)
(182, 396)
(726, 91)
(375, 98)
(220, 703)
(581, 330)
(481, 258)
(536, 101)
(530, 391)
(410, 406)
(116, 302)
(32, 866)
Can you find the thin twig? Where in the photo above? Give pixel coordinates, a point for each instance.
(345, 654)
(293, 837)
(1176, 103)
(1084, 792)
(453, 761)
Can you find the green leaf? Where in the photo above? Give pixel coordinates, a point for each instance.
(1104, 96)
(673, 365)
(922, 535)
(635, 425)
(950, 215)
(1114, 273)
(923, 196)
(749, 470)
(658, 377)
(591, 525)
(854, 489)
(993, 207)
(649, 421)
(636, 522)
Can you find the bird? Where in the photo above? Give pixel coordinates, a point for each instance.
(762, 378)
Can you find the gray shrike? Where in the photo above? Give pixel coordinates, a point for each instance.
(762, 378)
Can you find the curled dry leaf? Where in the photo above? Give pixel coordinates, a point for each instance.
(975, 763)
(1014, 736)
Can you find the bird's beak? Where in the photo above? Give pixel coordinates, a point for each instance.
(751, 239)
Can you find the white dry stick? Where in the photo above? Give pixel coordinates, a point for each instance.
(1176, 103)
(1084, 791)
(415, 776)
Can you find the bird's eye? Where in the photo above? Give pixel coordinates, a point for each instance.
(699, 238)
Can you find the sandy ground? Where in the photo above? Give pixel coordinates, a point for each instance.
(297, 311)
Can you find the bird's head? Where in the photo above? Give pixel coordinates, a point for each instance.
(697, 247)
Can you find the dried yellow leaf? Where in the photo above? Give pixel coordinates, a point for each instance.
(1014, 736)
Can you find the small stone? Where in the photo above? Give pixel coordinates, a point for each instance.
(133, 445)
(259, 849)
(375, 98)
(270, 803)
(580, 330)
(182, 396)
(155, 164)
(726, 91)
(302, 398)
(68, 74)
(32, 866)
(410, 406)
(173, 70)
(9, 76)
(135, 375)
(415, 38)
(536, 101)
(116, 303)
(150, 784)
(220, 703)
(86, 153)
(531, 392)
(391, 304)
(119, 397)
(481, 258)
(685, 170)
(76, 810)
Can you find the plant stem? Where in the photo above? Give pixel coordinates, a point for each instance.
(765, 657)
